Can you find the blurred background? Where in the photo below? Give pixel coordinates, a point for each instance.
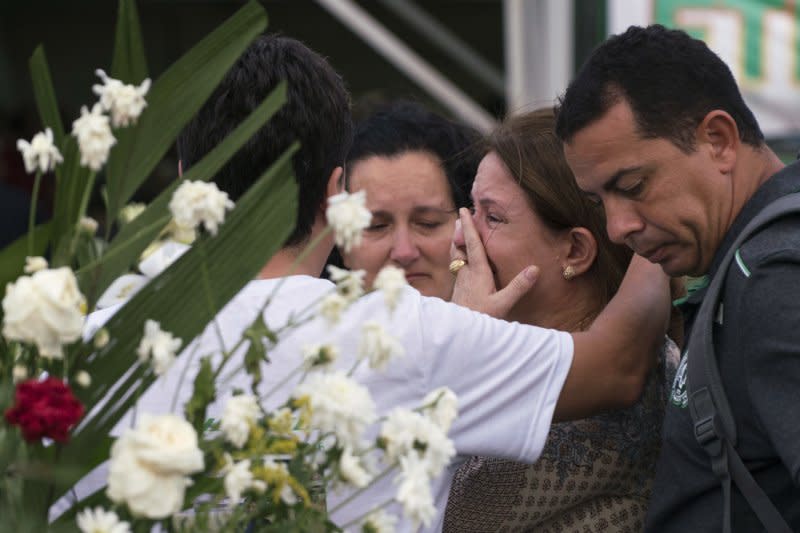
(475, 60)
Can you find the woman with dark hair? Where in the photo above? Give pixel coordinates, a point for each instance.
(594, 474)
(417, 169)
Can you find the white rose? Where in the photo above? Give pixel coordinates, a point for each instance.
(378, 346)
(348, 216)
(197, 202)
(391, 280)
(149, 465)
(45, 309)
(40, 153)
(240, 411)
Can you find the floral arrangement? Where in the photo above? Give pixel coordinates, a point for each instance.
(63, 388)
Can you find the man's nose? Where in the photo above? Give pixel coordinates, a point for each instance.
(404, 249)
(622, 221)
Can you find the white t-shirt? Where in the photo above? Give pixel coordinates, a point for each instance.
(507, 376)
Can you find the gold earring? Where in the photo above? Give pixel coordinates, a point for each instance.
(569, 272)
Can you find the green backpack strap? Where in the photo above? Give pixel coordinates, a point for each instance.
(714, 426)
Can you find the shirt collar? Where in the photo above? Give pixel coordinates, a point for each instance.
(783, 182)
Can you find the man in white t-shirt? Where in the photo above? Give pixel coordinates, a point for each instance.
(511, 380)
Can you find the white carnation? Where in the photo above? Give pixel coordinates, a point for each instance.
(94, 137)
(40, 153)
(348, 216)
(407, 432)
(332, 306)
(238, 479)
(414, 492)
(98, 520)
(443, 407)
(45, 309)
(35, 264)
(158, 346)
(125, 102)
(197, 202)
(339, 405)
(349, 283)
(319, 355)
(390, 280)
(380, 522)
(240, 411)
(149, 465)
(378, 346)
(352, 470)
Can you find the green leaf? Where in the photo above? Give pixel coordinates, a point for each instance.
(129, 64)
(45, 95)
(264, 215)
(73, 188)
(135, 236)
(256, 352)
(203, 394)
(172, 101)
(12, 257)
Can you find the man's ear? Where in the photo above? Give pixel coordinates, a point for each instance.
(719, 132)
(581, 251)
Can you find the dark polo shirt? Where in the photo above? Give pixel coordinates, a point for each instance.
(758, 348)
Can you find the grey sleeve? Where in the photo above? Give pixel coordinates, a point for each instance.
(771, 337)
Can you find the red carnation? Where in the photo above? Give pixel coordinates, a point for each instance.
(44, 409)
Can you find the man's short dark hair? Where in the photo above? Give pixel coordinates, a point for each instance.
(317, 113)
(406, 126)
(670, 80)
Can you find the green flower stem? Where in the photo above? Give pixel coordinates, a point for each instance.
(87, 192)
(32, 212)
(360, 491)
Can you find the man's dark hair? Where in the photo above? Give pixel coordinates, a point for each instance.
(317, 113)
(406, 126)
(670, 80)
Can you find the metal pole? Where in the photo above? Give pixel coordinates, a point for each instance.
(448, 41)
(405, 59)
(539, 51)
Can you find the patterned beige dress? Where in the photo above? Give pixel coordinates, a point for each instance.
(594, 475)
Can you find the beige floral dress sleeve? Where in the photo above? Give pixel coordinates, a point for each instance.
(594, 475)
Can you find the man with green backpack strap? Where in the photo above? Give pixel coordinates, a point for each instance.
(656, 131)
